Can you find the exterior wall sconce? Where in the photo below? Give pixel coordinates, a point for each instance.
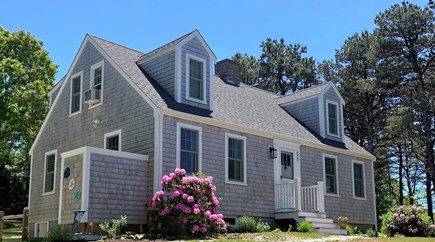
(272, 152)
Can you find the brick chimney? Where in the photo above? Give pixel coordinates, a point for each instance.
(229, 71)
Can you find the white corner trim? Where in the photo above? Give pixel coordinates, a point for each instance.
(53, 152)
(337, 119)
(204, 79)
(158, 150)
(91, 83)
(86, 173)
(322, 115)
(211, 97)
(80, 73)
(374, 196)
(353, 179)
(341, 118)
(59, 215)
(177, 85)
(113, 134)
(178, 145)
(30, 180)
(336, 173)
(245, 168)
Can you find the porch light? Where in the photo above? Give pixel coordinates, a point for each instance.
(272, 152)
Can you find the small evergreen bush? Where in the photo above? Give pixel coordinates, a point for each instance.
(350, 230)
(262, 227)
(247, 224)
(59, 235)
(370, 233)
(305, 227)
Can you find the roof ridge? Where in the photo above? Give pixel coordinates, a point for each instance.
(123, 46)
(165, 45)
(306, 89)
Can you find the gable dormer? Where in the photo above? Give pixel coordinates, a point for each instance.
(319, 108)
(184, 69)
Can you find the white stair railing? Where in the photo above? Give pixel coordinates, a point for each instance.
(285, 196)
(313, 198)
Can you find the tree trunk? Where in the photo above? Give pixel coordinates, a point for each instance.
(429, 196)
(400, 175)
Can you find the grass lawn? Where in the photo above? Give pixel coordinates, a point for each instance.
(271, 236)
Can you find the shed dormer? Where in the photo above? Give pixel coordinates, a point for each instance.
(320, 108)
(184, 68)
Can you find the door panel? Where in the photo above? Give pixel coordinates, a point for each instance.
(287, 167)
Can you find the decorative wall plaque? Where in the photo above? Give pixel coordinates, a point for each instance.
(66, 173)
(71, 184)
(77, 194)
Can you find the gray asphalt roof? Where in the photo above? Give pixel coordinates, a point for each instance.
(240, 105)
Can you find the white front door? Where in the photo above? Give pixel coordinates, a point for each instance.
(287, 165)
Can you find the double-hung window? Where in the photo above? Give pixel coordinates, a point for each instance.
(358, 179)
(189, 148)
(331, 176)
(76, 93)
(196, 79)
(97, 79)
(332, 118)
(49, 171)
(235, 160)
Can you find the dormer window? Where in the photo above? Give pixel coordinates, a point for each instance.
(76, 93)
(196, 79)
(332, 118)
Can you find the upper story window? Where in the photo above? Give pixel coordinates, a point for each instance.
(358, 180)
(49, 172)
(97, 80)
(196, 78)
(332, 118)
(112, 140)
(235, 160)
(76, 93)
(331, 174)
(189, 147)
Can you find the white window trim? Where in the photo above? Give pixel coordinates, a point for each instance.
(112, 134)
(364, 180)
(70, 93)
(327, 119)
(245, 178)
(36, 228)
(178, 145)
(204, 78)
(91, 83)
(45, 170)
(336, 174)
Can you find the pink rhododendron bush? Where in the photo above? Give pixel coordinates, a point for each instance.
(187, 205)
(407, 221)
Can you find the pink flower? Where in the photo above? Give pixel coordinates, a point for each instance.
(196, 211)
(203, 228)
(190, 199)
(204, 198)
(432, 226)
(165, 211)
(413, 216)
(185, 196)
(402, 216)
(401, 207)
(195, 228)
(418, 222)
(414, 208)
(185, 220)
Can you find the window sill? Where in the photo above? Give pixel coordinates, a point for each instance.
(332, 195)
(333, 135)
(47, 193)
(94, 106)
(236, 183)
(196, 100)
(74, 114)
(360, 198)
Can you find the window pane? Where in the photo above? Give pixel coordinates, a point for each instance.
(76, 85)
(332, 118)
(195, 69)
(189, 150)
(112, 143)
(97, 76)
(357, 169)
(49, 173)
(358, 175)
(195, 88)
(330, 175)
(196, 79)
(235, 159)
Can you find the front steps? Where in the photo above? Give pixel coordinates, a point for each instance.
(320, 223)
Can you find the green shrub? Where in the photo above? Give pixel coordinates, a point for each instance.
(407, 221)
(350, 230)
(277, 230)
(370, 233)
(116, 224)
(247, 224)
(262, 227)
(305, 227)
(59, 235)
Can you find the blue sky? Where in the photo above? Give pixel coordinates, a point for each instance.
(228, 26)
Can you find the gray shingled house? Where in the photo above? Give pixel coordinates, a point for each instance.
(120, 119)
